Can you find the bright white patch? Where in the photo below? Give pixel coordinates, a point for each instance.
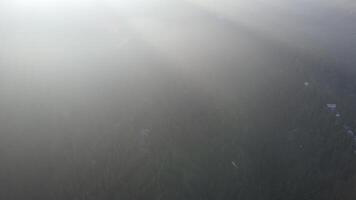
(49, 3)
(236, 165)
(332, 106)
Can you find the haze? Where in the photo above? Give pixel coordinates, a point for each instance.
(115, 85)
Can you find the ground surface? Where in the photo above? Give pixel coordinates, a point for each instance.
(188, 100)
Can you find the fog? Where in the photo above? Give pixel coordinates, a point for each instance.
(85, 84)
